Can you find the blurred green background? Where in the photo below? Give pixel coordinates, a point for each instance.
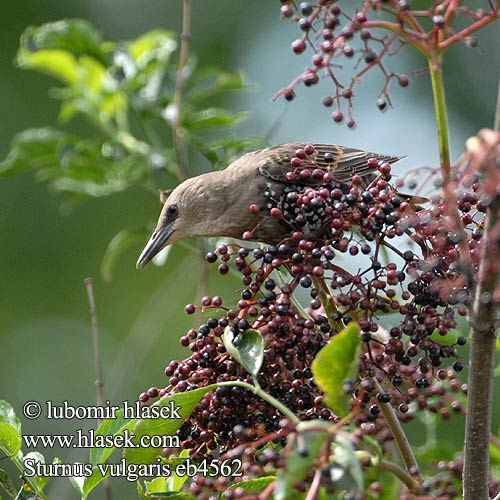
(45, 255)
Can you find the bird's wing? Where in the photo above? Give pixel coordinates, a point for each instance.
(342, 161)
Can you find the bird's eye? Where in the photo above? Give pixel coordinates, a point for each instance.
(173, 210)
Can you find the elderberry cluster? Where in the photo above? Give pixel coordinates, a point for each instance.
(339, 32)
(300, 292)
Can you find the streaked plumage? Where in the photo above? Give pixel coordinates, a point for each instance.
(217, 203)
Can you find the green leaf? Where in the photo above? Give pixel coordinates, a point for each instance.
(10, 430)
(449, 339)
(247, 348)
(56, 63)
(334, 364)
(117, 246)
(388, 481)
(74, 167)
(213, 117)
(154, 45)
(78, 483)
(254, 485)
(175, 482)
(90, 482)
(494, 454)
(74, 36)
(144, 495)
(33, 149)
(185, 401)
(298, 462)
(157, 485)
(39, 481)
(8, 415)
(110, 427)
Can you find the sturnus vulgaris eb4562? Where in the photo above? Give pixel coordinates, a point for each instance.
(255, 197)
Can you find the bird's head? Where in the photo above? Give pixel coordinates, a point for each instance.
(173, 223)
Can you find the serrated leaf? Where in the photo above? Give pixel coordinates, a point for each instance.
(186, 401)
(298, 462)
(247, 348)
(117, 246)
(334, 363)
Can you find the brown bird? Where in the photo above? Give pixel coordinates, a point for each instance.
(217, 203)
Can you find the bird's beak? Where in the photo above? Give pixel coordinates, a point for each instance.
(154, 245)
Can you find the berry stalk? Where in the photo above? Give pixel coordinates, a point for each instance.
(436, 72)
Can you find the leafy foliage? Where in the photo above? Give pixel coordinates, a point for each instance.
(10, 445)
(125, 92)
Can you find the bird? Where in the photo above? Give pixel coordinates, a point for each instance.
(239, 198)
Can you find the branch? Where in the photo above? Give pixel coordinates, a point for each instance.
(482, 365)
(99, 381)
(99, 378)
(400, 473)
(436, 72)
(400, 438)
(458, 37)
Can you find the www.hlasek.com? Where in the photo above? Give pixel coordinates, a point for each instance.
(92, 439)
(125, 439)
